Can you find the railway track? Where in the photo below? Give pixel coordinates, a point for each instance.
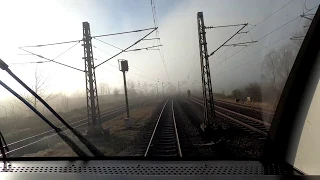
(250, 124)
(164, 140)
(258, 109)
(249, 107)
(29, 141)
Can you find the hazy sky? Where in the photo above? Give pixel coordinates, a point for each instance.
(39, 22)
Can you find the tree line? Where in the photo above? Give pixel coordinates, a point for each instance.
(275, 69)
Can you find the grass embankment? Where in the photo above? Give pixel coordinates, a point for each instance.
(119, 139)
(33, 125)
(264, 105)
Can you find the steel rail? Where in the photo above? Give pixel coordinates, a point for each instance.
(235, 120)
(47, 132)
(155, 128)
(176, 131)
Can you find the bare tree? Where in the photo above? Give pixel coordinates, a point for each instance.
(116, 92)
(79, 93)
(104, 88)
(254, 91)
(299, 35)
(131, 89)
(64, 101)
(285, 63)
(39, 86)
(270, 68)
(237, 93)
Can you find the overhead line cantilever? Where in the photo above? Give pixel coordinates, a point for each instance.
(127, 48)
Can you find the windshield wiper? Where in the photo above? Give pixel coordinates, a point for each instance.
(3, 147)
(95, 151)
(65, 138)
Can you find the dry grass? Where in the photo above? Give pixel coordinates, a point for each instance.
(257, 104)
(119, 139)
(59, 150)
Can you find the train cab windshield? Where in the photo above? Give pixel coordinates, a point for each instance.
(146, 79)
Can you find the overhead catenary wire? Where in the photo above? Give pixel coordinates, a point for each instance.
(264, 36)
(130, 71)
(212, 27)
(66, 50)
(277, 41)
(108, 44)
(144, 48)
(285, 37)
(193, 63)
(143, 71)
(125, 32)
(271, 14)
(143, 76)
(33, 62)
(39, 62)
(105, 68)
(229, 69)
(155, 21)
(126, 48)
(227, 40)
(51, 44)
(150, 39)
(50, 60)
(101, 50)
(277, 29)
(256, 25)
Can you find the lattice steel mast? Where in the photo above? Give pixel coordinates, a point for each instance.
(209, 113)
(91, 84)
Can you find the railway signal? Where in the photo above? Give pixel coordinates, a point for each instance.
(123, 66)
